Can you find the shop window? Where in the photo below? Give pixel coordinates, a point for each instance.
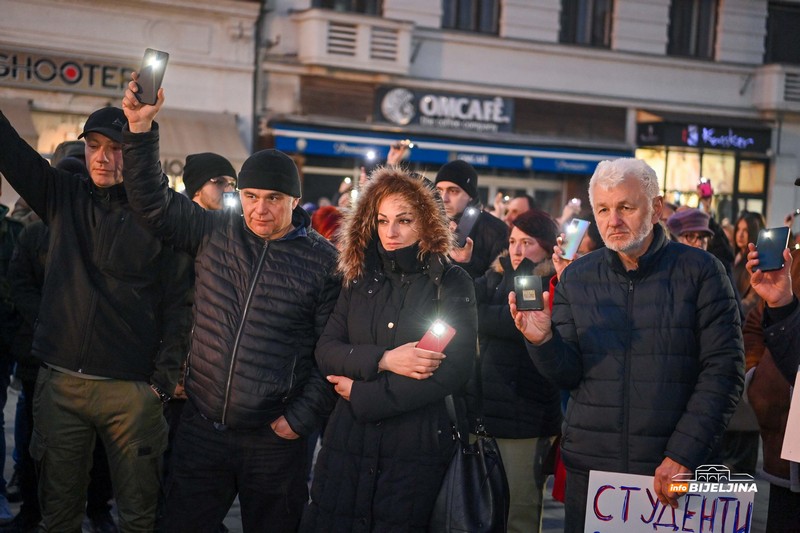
(719, 169)
(783, 34)
(657, 159)
(481, 16)
(751, 177)
(692, 28)
(586, 22)
(368, 7)
(683, 171)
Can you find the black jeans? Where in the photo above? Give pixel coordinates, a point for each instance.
(211, 465)
(575, 501)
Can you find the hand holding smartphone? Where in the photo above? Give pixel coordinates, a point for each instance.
(468, 219)
(528, 290)
(770, 246)
(573, 235)
(150, 75)
(437, 337)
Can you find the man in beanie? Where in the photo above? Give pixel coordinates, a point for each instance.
(206, 176)
(457, 183)
(264, 286)
(646, 336)
(109, 332)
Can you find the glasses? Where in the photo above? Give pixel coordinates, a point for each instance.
(223, 182)
(695, 237)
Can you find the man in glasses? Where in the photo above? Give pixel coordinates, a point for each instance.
(206, 176)
(690, 227)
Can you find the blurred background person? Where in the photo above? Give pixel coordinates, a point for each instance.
(388, 441)
(520, 407)
(747, 227)
(516, 206)
(206, 177)
(327, 220)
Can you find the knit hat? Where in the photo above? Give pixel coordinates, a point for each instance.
(107, 121)
(539, 225)
(688, 221)
(200, 168)
(462, 174)
(271, 170)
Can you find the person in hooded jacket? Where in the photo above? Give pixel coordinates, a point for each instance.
(520, 407)
(388, 441)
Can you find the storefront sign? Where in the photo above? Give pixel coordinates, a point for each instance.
(478, 113)
(45, 71)
(703, 136)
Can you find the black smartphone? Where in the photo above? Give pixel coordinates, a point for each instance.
(529, 293)
(468, 219)
(573, 235)
(770, 246)
(151, 74)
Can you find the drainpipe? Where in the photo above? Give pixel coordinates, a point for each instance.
(257, 78)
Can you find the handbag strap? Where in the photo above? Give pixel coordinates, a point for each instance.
(449, 402)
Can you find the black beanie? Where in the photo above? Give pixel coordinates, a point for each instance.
(271, 170)
(200, 168)
(462, 174)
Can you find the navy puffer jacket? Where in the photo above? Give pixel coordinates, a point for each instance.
(653, 358)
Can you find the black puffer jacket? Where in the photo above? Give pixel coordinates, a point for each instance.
(260, 306)
(653, 358)
(113, 301)
(518, 402)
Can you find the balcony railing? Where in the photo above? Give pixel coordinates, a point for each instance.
(353, 41)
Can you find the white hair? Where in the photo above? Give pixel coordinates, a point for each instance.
(611, 173)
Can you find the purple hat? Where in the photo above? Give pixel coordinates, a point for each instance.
(687, 221)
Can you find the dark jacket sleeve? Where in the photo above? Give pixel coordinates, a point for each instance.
(494, 318)
(176, 319)
(26, 271)
(173, 216)
(721, 378)
(783, 341)
(391, 394)
(335, 354)
(306, 412)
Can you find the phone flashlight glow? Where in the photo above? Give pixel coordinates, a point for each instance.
(437, 328)
(154, 62)
(230, 201)
(767, 234)
(523, 282)
(471, 211)
(572, 228)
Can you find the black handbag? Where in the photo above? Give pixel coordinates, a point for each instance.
(474, 496)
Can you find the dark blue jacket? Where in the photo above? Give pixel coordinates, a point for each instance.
(653, 357)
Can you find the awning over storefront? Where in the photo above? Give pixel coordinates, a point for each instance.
(18, 112)
(374, 146)
(189, 132)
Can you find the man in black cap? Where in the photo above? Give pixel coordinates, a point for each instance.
(109, 331)
(206, 176)
(264, 286)
(457, 183)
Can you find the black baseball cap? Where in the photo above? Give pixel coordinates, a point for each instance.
(107, 121)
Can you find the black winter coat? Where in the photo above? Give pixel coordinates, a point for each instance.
(653, 358)
(114, 298)
(518, 402)
(385, 451)
(259, 309)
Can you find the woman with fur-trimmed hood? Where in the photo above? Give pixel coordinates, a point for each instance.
(388, 441)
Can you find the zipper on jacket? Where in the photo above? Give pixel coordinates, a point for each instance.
(98, 251)
(626, 384)
(245, 310)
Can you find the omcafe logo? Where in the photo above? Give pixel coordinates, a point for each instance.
(712, 478)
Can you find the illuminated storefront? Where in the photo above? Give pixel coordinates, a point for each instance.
(733, 159)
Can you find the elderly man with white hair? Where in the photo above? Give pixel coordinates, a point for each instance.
(646, 336)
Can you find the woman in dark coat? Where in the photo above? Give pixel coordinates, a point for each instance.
(520, 407)
(388, 442)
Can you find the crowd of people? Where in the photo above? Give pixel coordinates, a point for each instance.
(197, 351)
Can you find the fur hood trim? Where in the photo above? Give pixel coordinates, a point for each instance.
(360, 226)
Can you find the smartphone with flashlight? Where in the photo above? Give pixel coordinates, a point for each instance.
(529, 293)
(437, 337)
(151, 74)
(468, 219)
(770, 246)
(573, 235)
(230, 200)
